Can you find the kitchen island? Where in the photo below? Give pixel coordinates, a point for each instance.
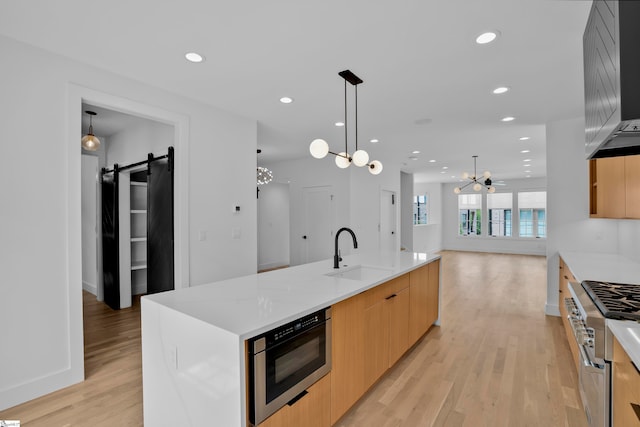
(193, 339)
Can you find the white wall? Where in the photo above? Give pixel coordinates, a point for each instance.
(568, 224)
(484, 243)
(428, 237)
(310, 172)
(406, 211)
(273, 225)
(133, 144)
(90, 172)
(40, 239)
(356, 200)
(365, 205)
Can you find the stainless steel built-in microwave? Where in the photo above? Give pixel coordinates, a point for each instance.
(285, 361)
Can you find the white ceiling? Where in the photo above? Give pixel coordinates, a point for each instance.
(418, 60)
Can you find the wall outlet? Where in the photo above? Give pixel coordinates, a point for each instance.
(202, 235)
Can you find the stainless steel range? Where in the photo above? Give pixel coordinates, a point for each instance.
(592, 303)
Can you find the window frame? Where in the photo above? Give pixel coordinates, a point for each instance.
(426, 209)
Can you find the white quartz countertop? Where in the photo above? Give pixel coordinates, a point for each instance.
(628, 334)
(602, 267)
(610, 268)
(249, 305)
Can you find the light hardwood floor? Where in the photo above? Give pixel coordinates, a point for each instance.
(497, 360)
(111, 395)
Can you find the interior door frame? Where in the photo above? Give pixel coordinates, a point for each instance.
(394, 195)
(76, 96)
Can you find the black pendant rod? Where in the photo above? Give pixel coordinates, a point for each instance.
(133, 165)
(346, 150)
(356, 89)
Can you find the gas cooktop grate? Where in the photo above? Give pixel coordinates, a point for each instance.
(615, 300)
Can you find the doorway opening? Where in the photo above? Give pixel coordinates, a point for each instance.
(137, 118)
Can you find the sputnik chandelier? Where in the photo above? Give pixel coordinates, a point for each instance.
(319, 147)
(263, 175)
(476, 181)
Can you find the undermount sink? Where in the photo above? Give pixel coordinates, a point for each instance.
(360, 272)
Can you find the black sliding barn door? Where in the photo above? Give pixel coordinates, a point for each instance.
(110, 250)
(160, 268)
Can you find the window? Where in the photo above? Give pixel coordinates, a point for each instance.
(420, 209)
(469, 214)
(499, 205)
(532, 208)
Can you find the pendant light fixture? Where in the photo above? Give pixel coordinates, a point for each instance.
(90, 142)
(319, 147)
(476, 181)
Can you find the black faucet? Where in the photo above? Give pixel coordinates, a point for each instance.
(336, 256)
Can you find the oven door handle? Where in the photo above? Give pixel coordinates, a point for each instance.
(589, 365)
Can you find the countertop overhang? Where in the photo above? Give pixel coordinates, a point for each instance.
(249, 305)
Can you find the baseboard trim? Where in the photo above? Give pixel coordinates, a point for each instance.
(37, 387)
(552, 309)
(90, 287)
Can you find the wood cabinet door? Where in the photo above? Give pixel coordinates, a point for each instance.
(398, 308)
(626, 389)
(348, 354)
(312, 410)
(611, 194)
(632, 190)
(376, 342)
(433, 293)
(418, 297)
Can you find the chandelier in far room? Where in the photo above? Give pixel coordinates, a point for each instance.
(263, 175)
(478, 182)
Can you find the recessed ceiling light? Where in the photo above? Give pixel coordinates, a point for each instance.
(374, 141)
(432, 161)
(526, 165)
(501, 89)
(445, 167)
(413, 158)
(194, 57)
(487, 37)
(526, 160)
(525, 151)
(286, 100)
(415, 152)
(527, 171)
(443, 172)
(524, 138)
(508, 119)
(339, 124)
(453, 176)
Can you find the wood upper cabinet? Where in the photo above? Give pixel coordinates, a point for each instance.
(312, 410)
(615, 187)
(632, 182)
(625, 389)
